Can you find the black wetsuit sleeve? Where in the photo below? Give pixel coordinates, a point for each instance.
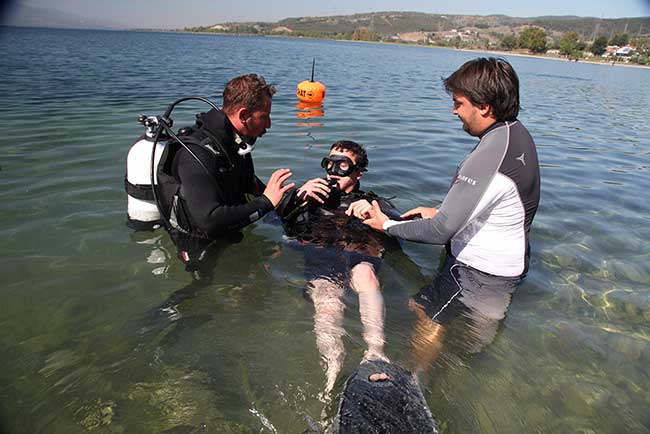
(207, 203)
(290, 206)
(388, 208)
(258, 186)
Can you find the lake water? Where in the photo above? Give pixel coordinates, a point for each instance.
(82, 351)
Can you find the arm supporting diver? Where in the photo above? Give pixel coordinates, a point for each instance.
(465, 200)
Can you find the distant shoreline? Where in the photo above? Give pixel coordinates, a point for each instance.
(471, 50)
(536, 56)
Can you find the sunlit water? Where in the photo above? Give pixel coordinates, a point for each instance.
(83, 349)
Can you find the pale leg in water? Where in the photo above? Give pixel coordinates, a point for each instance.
(328, 328)
(427, 338)
(371, 308)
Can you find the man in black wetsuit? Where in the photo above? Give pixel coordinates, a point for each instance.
(214, 193)
(485, 219)
(208, 197)
(339, 251)
(227, 196)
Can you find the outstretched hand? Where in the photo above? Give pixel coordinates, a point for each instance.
(420, 212)
(275, 188)
(360, 209)
(316, 189)
(377, 217)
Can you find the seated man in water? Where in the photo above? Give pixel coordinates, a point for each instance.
(339, 251)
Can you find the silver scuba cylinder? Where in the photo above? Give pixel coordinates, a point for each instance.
(142, 209)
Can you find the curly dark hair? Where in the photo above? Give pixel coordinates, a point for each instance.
(355, 148)
(490, 81)
(246, 91)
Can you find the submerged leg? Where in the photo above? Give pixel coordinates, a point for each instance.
(427, 338)
(371, 308)
(328, 327)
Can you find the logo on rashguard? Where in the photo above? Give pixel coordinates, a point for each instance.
(464, 178)
(521, 158)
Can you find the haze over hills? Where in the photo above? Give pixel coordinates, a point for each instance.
(24, 15)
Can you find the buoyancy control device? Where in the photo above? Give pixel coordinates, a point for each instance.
(141, 179)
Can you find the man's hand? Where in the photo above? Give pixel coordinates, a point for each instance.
(275, 188)
(360, 209)
(420, 212)
(377, 217)
(316, 189)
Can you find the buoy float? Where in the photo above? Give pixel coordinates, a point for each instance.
(310, 90)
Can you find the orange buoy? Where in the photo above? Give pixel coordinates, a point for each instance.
(310, 90)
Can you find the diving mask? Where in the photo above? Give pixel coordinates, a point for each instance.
(339, 165)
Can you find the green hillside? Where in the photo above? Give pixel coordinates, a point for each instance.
(569, 36)
(388, 24)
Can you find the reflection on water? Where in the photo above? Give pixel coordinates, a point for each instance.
(308, 110)
(82, 352)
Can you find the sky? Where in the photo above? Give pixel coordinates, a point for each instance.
(182, 13)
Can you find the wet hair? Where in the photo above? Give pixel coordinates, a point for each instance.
(355, 149)
(246, 91)
(490, 81)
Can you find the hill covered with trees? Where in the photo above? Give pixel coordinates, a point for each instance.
(571, 36)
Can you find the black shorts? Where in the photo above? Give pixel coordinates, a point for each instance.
(462, 290)
(333, 263)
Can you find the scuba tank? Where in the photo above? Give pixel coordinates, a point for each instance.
(141, 179)
(142, 210)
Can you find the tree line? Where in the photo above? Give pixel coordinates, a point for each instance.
(535, 40)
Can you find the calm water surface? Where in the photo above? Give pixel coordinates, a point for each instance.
(83, 350)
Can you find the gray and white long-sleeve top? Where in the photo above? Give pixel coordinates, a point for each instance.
(486, 216)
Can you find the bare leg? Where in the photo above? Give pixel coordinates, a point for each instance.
(328, 327)
(427, 338)
(371, 307)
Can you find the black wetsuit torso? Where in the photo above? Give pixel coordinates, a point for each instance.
(226, 197)
(338, 239)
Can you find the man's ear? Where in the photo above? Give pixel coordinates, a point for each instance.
(242, 114)
(485, 110)
(238, 119)
(360, 175)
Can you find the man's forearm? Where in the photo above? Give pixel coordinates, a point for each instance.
(430, 231)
